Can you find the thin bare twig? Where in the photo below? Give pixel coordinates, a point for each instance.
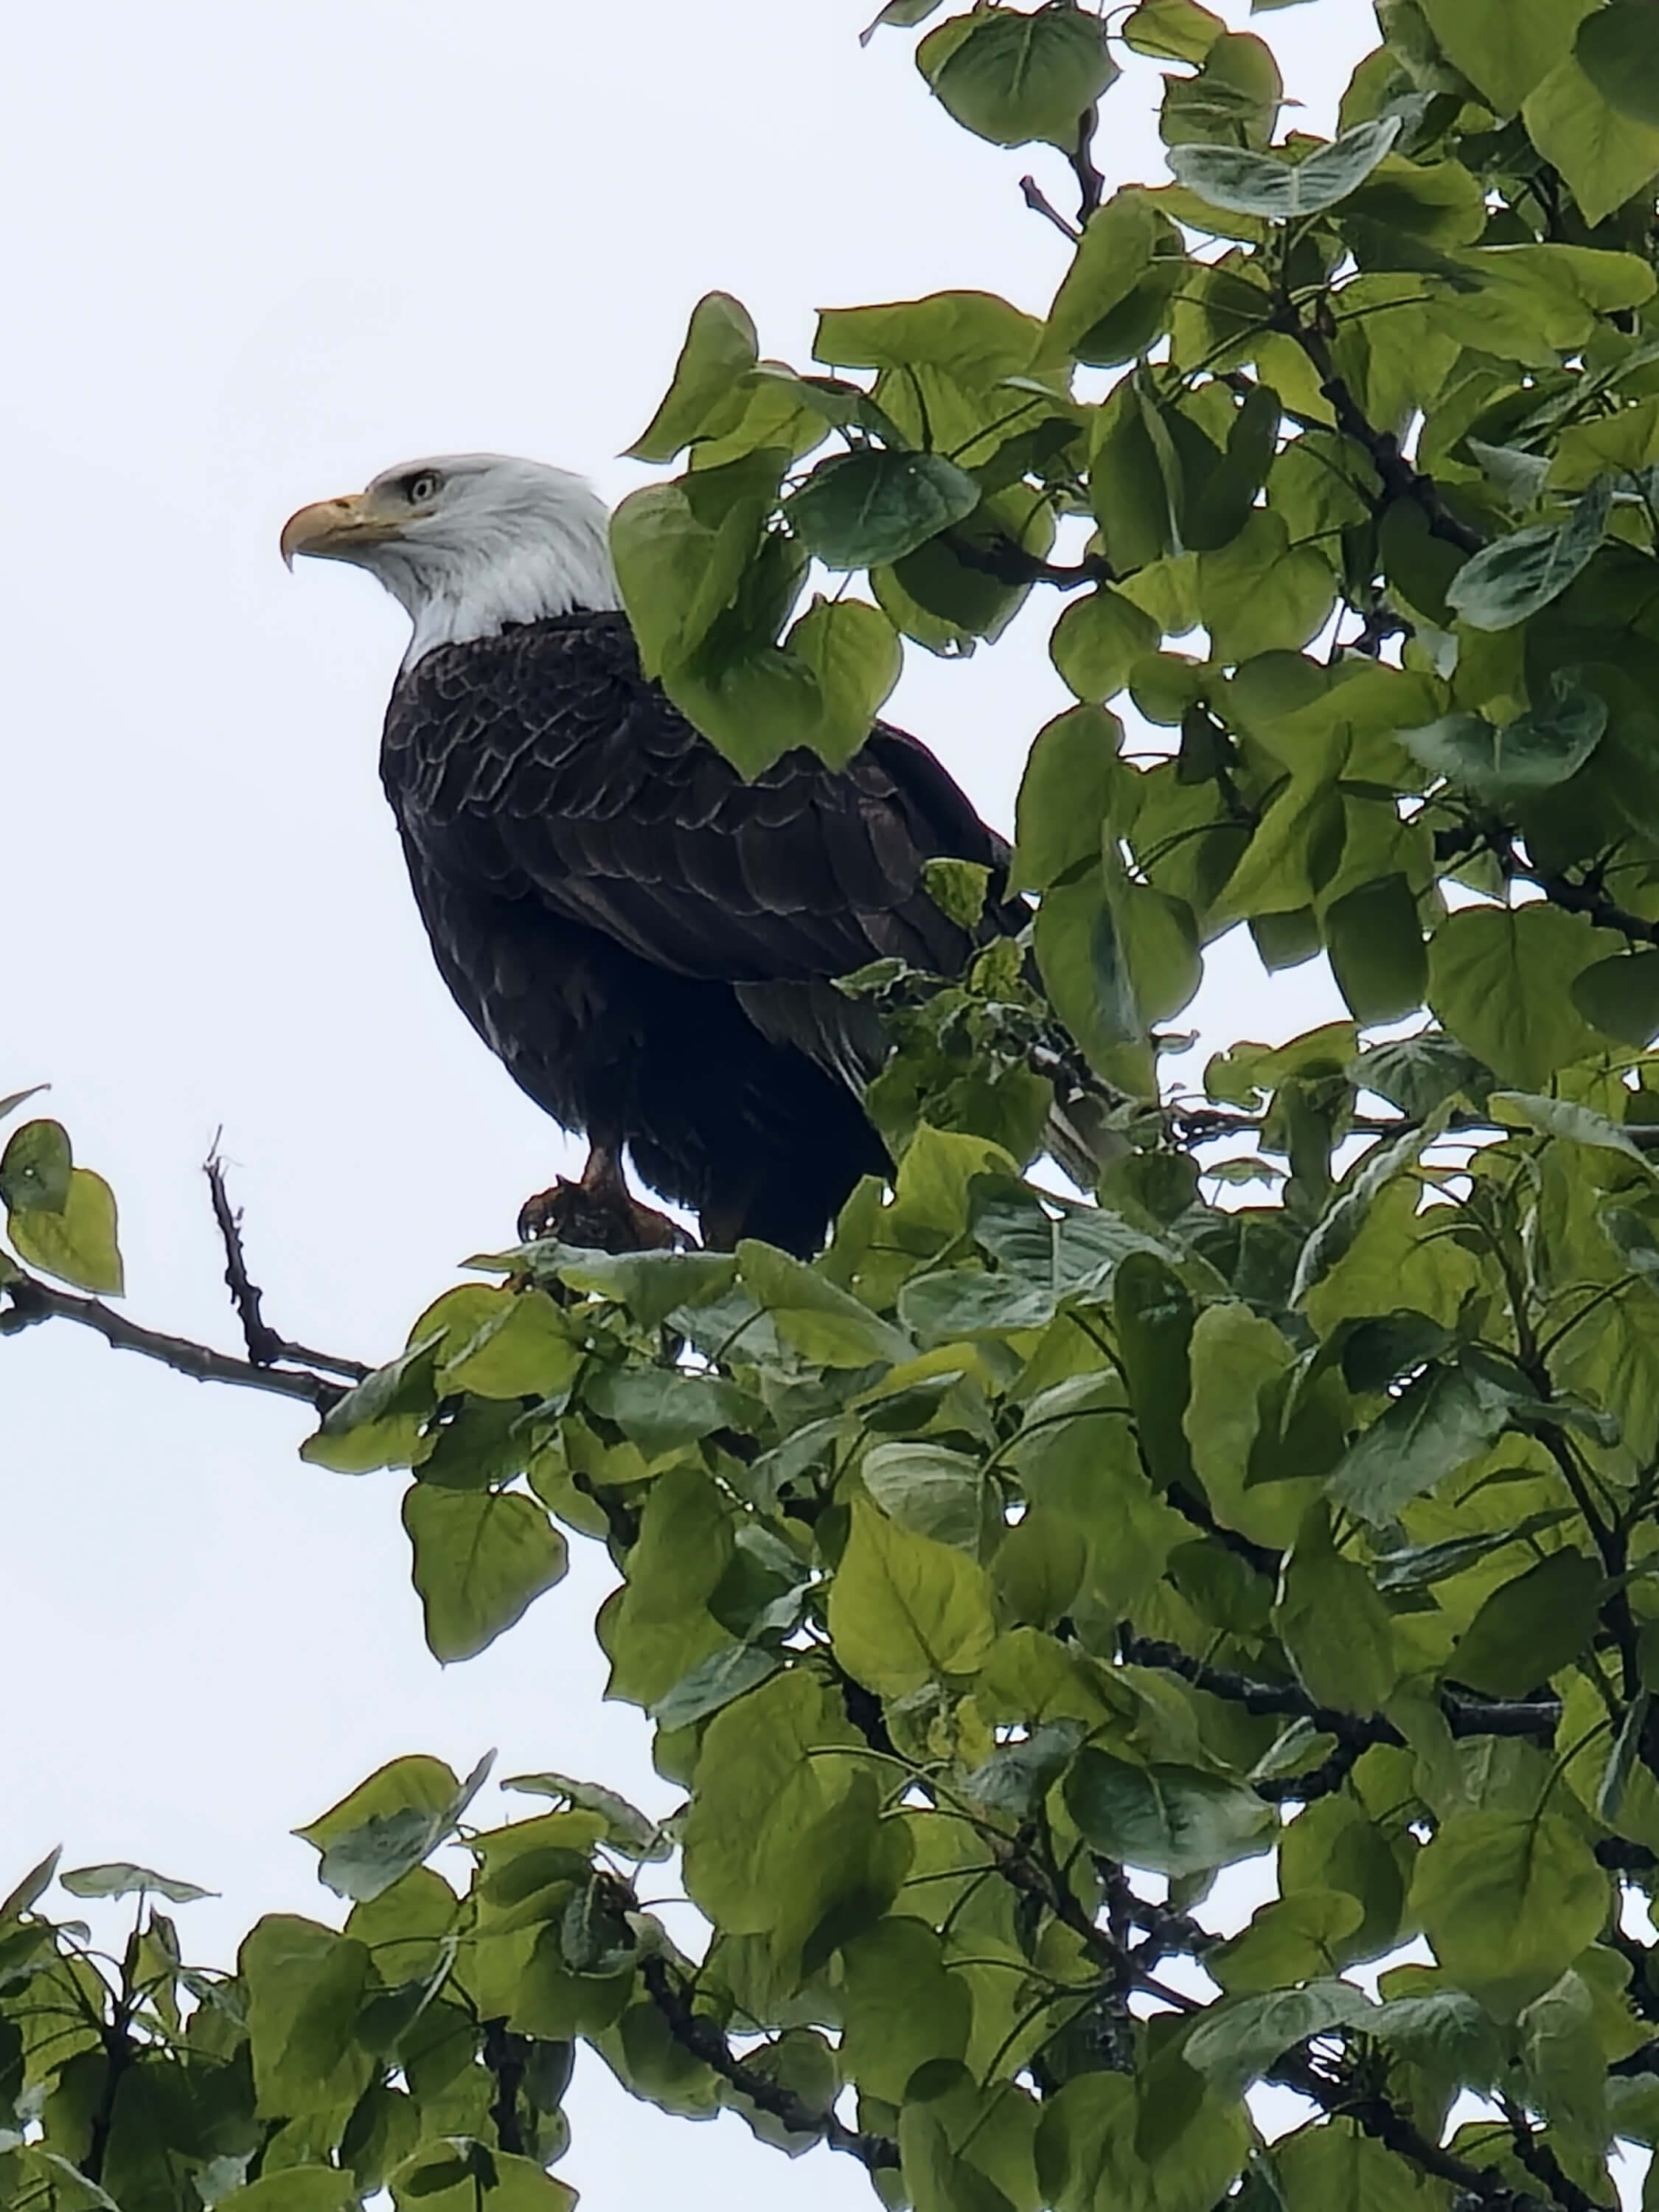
(265, 1346)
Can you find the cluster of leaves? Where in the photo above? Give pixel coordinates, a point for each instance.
(331, 2064)
(996, 1581)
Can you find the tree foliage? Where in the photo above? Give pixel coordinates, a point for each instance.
(998, 1580)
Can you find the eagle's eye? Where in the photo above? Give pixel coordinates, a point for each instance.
(417, 489)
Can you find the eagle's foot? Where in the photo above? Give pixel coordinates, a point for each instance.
(599, 1212)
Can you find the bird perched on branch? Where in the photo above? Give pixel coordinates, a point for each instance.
(647, 941)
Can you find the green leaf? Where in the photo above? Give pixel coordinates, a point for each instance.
(1445, 2033)
(929, 1488)
(1237, 2043)
(294, 2189)
(1260, 593)
(1016, 77)
(31, 1889)
(1113, 255)
(977, 338)
(726, 1675)
(77, 1244)
(1154, 1313)
(1336, 1631)
(1574, 1124)
(1617, 50)
(860, 509)
(1504, 46)
(389, 1823)
(1335, 2164)
(1439, 1423)
(1376, 949)
(1017, 1777)
(35, 1169)
(904, 13)
(1512, 579)
(719, 347)
(1534, 752)
(905, 1611)
(649, 1284)
(1219, 504)
(762, 1784)
(522, 1347)
(903, 2007)
(122, 1878)
(378, 1423)
(1420, 1073)
(1529, 1627)
(1621, 996)
(824, 1324)
(1294, 1938)
(304, 1985)
(1098, 639)
(1172, 30)
(13, 1099)
(1606, 155)
(685, 550)
(1622, 1759)
(1508, 1900)
(1151, 2141)
(1501, 978)
(481, 1557)
(628, 1830)
(1255, 184)
(1064, 796)
(1169, 1819)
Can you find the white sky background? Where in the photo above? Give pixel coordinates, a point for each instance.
(255, 255)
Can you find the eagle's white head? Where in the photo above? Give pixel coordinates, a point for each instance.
(468, 542)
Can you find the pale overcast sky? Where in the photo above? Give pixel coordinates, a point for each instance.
(255, 255)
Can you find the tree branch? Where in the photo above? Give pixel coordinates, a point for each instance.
(1464, 1716)
(696, 2032)
(25, 1300)
(1397, 475)
(1040, 204)
(1586, 899)
(1091, 184)
(504, 2056)
(1011, 564)
(265, 1346)
(1295, 2069)
(1543, 2165)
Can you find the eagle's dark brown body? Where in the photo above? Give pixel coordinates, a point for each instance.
(645, 939)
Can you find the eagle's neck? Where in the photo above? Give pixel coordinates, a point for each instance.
(554, 559)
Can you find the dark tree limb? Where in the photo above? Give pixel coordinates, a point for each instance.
(1397, 475)
(1464, 1716)
(1012, 565)
(1543, 2164)
(1090, 183)
(1040, 204)
(696, 2032)
(1320, 1781)
(1587, 899)
(1196, 1508)
(264, 1347)
(25, 1301)
(504, 2056)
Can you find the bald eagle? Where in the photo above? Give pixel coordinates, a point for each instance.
(647, 941)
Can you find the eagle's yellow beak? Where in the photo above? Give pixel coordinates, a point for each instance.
(338, 529)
